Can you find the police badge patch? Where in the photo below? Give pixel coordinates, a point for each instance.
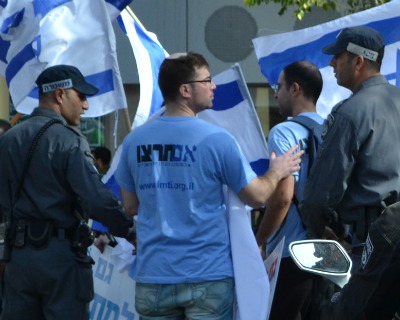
(330, 119)
(368, 249)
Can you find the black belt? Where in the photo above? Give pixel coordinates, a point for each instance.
(62, 233)
(367, 216)
(37, 233)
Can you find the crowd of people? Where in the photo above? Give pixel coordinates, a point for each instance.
(172, 173)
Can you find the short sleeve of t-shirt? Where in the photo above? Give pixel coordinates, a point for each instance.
(281, 138)
(123, 174)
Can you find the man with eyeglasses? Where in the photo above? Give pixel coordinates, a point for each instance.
(171, 173)
(297, 91)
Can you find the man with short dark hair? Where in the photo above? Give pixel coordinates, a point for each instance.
(356, 174)
(102, 159)
(172, 172)
(298, 89)
(48, 187)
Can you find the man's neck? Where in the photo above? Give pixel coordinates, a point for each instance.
(178, 110)
(304, 107)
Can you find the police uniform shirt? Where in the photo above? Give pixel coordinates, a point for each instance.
(358, 164)
(61, 171)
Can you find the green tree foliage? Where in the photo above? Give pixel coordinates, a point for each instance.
(304, 6)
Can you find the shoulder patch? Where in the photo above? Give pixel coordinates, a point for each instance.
(368, 249)
(89, 154)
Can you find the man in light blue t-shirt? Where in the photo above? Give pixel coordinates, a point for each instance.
(171, 173)
(298, 89)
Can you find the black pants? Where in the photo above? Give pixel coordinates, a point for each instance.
(372, 291)
(292, 292)
(385, 300)
(47, 284)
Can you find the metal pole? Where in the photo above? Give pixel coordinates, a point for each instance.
(4, 100)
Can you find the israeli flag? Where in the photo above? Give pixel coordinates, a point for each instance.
(149, 54)
(276, 51)
(233, 109)
(37, 34)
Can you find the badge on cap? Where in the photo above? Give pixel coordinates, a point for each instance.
(64, 84)
(366, 53)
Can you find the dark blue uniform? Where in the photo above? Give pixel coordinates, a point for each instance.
(51, 281)
(357, 170)
(373, 290)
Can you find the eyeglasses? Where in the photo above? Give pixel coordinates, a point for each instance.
(276, 87)
(207, 80)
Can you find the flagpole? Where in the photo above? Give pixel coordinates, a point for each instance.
(5, 100)
(134, 17)
(127, 120)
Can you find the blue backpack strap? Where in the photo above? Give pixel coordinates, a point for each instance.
(314, 141)
(310, 124)
(315, 131)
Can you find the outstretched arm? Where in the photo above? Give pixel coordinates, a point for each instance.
(258, 191)
(276, 211)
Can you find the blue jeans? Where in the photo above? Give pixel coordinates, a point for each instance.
(211, 300)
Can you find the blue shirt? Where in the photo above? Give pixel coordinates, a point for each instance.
(281, 138)
(178, 166)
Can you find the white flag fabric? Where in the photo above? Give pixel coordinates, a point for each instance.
(251, 279)
(35, 34)
(149, 54)
(233, 109)
(274, 52)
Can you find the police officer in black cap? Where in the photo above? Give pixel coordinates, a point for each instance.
(48, 188)
(356, 174)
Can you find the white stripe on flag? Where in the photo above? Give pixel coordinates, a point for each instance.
(74, 32)
(233, 109)
(149, 54)
(274, 52)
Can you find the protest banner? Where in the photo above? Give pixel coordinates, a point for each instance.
(114, 288)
